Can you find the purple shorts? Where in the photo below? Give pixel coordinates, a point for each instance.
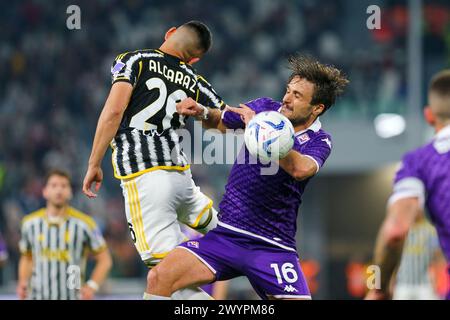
(272, 271)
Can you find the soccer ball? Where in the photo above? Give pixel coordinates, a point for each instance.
(269, 136)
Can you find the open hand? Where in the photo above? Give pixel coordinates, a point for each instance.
(93, 174)
(244, 111)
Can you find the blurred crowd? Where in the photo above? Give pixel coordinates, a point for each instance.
(55, 81)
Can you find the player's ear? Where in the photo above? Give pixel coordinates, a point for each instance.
(193, 60)
(429, 116)
(45, 193)
(318, 109)
(70, 192)
(170, 32)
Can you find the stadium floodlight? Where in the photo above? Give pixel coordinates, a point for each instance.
(388, 125)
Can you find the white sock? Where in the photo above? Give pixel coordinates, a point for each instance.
(191, 294)
(148, 296)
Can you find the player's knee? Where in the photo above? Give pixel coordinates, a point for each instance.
(154, 278)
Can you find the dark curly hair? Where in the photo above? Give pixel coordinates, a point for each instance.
(329, 82)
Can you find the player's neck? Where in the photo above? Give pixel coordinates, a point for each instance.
(439, 126)
(304, 126)
(56, 211)
(170, 50)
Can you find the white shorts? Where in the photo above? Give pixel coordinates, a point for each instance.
(414, 292)
(155, 203)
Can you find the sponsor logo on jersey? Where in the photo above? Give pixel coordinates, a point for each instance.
(193, 244)
(303, 138)
(327, 141)
(117, 67)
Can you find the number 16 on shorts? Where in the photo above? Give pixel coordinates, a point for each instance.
(287, 273)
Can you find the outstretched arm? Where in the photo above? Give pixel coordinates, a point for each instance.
(211, 117)
(107, 127)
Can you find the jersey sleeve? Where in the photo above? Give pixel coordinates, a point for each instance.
(94, 239)
(317, 149)
(126, 68)
(25, 241)
(409, 168)
(233, 120)
(207, 96)
(408, 182)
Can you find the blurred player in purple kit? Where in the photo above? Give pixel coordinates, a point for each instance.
(423, 181)
(256, 231)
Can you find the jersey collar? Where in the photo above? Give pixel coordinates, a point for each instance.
(315, 126)
(442, 140)
(443, 133)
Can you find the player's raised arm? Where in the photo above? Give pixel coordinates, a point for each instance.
(107, 127)
(211, 117)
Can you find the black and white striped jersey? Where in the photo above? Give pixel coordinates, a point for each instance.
(59, 252)
(147, 138)
(419, 250)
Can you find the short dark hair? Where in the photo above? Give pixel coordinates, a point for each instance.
(329, 82)
(440, 83)
(57, 172)
(203, 33)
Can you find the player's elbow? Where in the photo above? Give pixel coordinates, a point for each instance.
(299, 174)
(115, 112)
(303, 172)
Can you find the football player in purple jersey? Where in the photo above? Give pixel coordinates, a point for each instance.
(256, 231)
(422, 182)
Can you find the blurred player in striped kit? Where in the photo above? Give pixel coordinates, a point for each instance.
(54, 245)
(423, 181)
(421, 250)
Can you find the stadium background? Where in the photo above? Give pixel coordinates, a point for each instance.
(55, 80)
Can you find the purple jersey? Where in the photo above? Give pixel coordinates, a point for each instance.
(266, 206)
(425, 172)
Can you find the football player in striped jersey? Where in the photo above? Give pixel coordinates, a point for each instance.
(139, 121)
(55, 241)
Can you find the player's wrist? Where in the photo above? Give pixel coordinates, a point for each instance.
(93, 285)
(93, 165)
(204, 115)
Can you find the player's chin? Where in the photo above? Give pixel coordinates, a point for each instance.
(287, 113)
(59, 202)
